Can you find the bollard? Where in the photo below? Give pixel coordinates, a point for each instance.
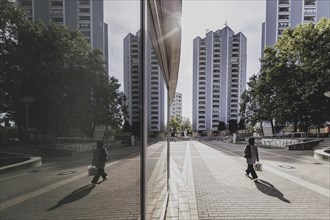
(234, 138)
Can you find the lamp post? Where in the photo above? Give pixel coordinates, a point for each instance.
(27, 100)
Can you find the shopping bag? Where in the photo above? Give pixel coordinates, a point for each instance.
(258, 167)
(91, 170)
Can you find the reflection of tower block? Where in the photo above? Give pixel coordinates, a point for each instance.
(99, 132)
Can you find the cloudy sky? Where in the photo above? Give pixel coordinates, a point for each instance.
(243, 16)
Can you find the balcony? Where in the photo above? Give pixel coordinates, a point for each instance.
(309, 19)
(284, 13)
(56, 12)
(283, 24)
(310, 2)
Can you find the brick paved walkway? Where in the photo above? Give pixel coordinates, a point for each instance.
(207, 182)
(224, 192)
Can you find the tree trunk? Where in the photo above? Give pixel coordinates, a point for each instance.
(262, 130)
(272, 125)
(295, 123)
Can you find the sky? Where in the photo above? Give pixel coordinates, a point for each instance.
(198, 16)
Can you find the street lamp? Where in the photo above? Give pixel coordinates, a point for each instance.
(27, 100)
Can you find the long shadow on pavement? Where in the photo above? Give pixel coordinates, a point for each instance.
(268, 189)
(74, 196)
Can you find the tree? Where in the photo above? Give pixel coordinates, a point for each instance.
(186, 125)
(222, 126)
(241, 124)
(175, 125)
(179, 125)
(232, 126)
(127, 127)
(59, 69)
(293, 77)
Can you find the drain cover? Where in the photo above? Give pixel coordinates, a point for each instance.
(286, 167)
(67, 173)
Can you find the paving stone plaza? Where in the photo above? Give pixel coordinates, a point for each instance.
(207, 182)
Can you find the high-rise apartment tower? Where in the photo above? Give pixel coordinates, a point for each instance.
(176, 106)
(219, 78)
(84, 15)
(132, 79)
(281, 14)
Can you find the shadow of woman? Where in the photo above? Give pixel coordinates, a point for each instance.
(268, 189)
(74, 196)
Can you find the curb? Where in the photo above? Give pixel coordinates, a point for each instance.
(32, 162)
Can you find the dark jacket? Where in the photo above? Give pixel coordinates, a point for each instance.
(100, 156)
(254, 154)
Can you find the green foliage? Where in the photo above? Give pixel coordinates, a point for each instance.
(180, 124)
(293, 78)
(127, 127)
(186, 125)
(58, 68)
(232, 126)
(176, 125)
(241, 124)
(222, 126)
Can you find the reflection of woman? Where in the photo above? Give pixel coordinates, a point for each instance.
(100, 156)
(253, 157)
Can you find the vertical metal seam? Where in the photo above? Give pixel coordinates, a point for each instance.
(168, 138)
(143, 109)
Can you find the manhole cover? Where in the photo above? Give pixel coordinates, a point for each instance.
(286, 167)
(317, 163)
(67, 173)
(34, 171)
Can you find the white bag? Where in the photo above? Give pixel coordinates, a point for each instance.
(258, 167)
(91, 170)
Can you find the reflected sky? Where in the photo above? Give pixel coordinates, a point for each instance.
(244, 16)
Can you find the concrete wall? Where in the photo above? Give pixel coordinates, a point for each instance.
(280, 143)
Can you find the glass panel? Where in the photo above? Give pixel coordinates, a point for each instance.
(124, 64)
(156, 157)
(68, 98)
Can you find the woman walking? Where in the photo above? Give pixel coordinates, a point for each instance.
(100, 156)
(252, 156)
